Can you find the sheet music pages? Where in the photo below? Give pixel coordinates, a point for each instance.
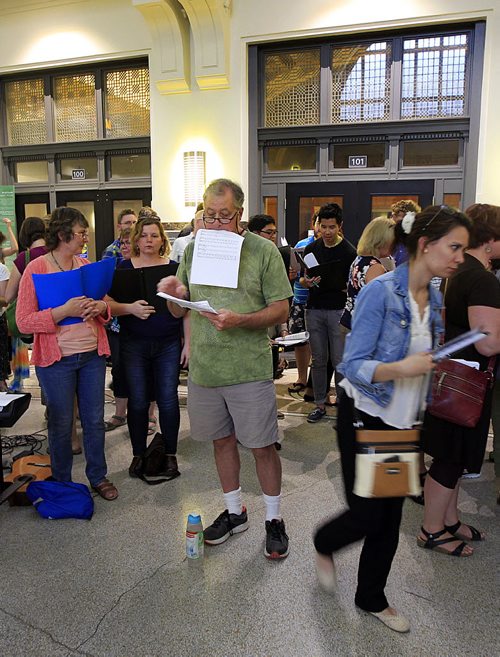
(190, 305)
(216, 258)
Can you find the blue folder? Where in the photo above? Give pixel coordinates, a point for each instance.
(93, 281)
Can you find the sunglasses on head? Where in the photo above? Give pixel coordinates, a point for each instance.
(442, 208)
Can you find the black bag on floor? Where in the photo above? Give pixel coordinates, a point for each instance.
(153, 463)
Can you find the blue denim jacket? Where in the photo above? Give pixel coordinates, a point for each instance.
(381, 331)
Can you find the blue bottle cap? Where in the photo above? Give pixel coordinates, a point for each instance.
(194, 519)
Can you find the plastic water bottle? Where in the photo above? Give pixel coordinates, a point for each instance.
(194, 537)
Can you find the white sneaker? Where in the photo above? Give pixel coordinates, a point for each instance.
(395, 622)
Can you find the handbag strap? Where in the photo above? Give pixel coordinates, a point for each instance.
(491, 367)
(27, 257)
(443, 288)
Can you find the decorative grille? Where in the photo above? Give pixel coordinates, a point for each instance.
(292, 81)
(361, 83)
(434, 78)
(127, 103)
(75, 107)
(24, 100)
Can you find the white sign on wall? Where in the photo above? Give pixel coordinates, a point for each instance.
(358, 161)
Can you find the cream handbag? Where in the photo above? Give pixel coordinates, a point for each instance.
(387, 463)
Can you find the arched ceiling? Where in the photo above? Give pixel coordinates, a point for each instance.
(173, 23)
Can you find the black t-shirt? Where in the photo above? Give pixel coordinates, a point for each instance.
(160, 325)
(472, 285)
(325, 296)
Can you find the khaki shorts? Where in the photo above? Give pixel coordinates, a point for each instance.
(246, 409)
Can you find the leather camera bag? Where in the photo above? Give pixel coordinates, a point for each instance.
(458, 392)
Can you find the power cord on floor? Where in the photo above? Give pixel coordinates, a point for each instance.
(33, 442)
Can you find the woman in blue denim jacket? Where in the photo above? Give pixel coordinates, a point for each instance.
(386, 361)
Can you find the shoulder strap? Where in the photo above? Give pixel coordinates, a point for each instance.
(491, 367)
(27, 257)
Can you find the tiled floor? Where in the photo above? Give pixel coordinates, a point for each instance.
(120, 585)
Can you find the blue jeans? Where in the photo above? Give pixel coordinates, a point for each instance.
(327, 341)
(81, 375)
(152, 363)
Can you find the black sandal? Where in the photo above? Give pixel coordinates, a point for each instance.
(296, 387)
(433, 542)
(475, 533)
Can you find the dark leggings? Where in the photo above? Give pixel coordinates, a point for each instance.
(120, 387)
(376, 521)
(446, 474)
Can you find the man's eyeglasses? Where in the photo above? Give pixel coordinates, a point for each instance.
(84, 234)
(222, 218)
(270, 231)
(124, 243)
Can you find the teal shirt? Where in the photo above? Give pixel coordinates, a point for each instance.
(238, 355)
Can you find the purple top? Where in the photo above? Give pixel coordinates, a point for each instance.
(35, 252)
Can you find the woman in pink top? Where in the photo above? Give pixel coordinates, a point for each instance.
(69, 359)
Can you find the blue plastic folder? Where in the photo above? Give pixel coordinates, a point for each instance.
(93, 281)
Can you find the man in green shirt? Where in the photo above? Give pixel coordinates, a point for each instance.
(230, 387)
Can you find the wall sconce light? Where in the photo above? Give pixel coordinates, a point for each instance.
(194, 177)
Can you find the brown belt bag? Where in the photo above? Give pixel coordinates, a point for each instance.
(387, 463)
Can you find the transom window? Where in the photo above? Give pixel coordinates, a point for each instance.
(65, 107)
(25, 112)
(393, 79)
(434, 76)
(292, 86)
(361, 83)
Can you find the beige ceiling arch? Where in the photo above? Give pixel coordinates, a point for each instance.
(170, 59)
(210, 21)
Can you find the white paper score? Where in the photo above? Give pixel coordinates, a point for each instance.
(216, 258)
(200, 306)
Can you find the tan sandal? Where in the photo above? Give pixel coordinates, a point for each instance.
(106, 490)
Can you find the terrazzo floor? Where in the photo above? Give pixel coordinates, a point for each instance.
(121, 586)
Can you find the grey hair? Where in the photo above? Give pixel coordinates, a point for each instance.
(219, 186)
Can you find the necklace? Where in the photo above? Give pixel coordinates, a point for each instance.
(58, 265)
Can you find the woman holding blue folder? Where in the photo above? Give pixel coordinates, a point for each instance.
(69, 350)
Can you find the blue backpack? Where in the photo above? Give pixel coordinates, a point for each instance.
(61, 499)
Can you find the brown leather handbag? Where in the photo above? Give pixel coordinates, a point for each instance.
(458, 392)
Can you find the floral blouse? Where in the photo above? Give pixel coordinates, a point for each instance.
(357, 280)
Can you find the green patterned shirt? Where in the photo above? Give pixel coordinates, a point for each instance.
(237, 355)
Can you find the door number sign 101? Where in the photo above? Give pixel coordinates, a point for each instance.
(358, 161)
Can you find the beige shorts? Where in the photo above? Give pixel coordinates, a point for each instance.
(245, 409)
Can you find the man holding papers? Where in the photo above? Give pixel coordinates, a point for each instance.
(230, 389)
(327, 285)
